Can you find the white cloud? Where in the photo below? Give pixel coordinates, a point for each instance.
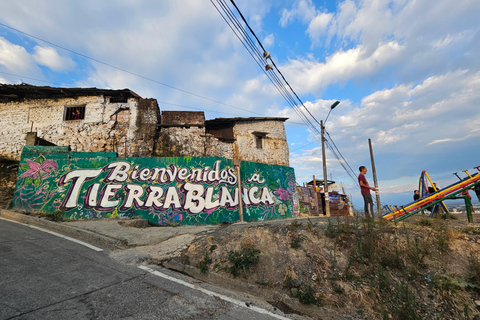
(342, 66)
(301, 9)
(318, 26)
(49, 57)
(406, 123)
(269, 40)
(15, 58)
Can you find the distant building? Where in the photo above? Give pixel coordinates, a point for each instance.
(100, 120)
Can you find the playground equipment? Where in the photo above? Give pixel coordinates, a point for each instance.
(430, 200)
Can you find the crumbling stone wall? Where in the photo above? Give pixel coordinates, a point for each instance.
(181, 142)
(181, 134)
(127, 128)
(217, 148)
(274, 148)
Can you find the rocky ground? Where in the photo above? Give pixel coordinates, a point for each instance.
(347, 268)
(8, 177)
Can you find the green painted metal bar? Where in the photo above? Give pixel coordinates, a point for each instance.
(449, 197)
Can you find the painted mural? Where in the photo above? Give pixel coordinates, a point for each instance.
(166, 191)
(261, 181)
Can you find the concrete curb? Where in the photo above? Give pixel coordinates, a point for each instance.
(80, 234)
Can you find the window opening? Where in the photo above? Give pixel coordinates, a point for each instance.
(259, 142)
(259, 137)
(75, 113)
(118, 100)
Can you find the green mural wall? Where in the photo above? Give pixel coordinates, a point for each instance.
(166, 191)
(260, 181)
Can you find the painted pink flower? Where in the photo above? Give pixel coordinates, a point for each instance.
(283, 194)
(35, 169)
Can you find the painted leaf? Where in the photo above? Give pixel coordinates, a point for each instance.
(37, 181)
(24, 167)
(40, 159)
(28, 180)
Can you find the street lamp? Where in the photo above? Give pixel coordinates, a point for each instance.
(325, 183)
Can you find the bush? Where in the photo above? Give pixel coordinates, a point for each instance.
(307, 296)
(297, 240)
(203, 264)
(242, 261)
(474, 268)
(426, 222)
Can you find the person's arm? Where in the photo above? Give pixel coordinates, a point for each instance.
(366, 185)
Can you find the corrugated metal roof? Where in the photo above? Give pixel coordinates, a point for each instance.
(239, 119)
(23, 91)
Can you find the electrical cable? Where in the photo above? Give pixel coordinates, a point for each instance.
(15, 75)
(336, 152)
(121, 69)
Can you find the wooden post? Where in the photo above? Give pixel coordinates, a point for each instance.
(377, 193)
(315, 192)
(240, 199)
(325, 180)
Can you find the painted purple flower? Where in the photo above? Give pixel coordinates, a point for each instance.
(36, 171)
(283, 194)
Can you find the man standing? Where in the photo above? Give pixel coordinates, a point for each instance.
(365, 191)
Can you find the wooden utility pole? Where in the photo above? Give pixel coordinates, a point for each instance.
(239, 195)
(315, 191)
(377, 193)
(325, 182)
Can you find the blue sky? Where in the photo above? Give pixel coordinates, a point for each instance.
(407, 72)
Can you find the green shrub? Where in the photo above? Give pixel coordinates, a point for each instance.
(203, 264)
(294, 225)
(297, 240)
(474, 268)
(242, 261)
(426, 222)
(307, 296)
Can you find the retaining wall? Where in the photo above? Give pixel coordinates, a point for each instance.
(166, 191)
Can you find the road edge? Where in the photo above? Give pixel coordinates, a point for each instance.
(77, 233)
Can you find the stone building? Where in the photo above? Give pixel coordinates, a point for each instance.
(256, 139)
(85, 119)
(99, 120)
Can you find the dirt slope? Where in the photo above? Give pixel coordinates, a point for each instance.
(349, 268)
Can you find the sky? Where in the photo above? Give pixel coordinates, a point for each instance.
(406, 73)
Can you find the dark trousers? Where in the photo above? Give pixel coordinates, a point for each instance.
(367, 199)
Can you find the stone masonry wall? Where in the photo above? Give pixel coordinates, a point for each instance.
(106, 127)
(217, 148)
(181, 142)
(274, 146)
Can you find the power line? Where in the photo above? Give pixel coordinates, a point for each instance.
(14, 75)
(123, 70)
(291, 100)
(164, 102)
(258, 57)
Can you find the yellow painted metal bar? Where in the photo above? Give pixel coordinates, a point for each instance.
(466, 171)
(435, 188)
(419, 203)
(428, 177)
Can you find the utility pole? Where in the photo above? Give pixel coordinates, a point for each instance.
(325, 182)
(377, 193)
(316, 197)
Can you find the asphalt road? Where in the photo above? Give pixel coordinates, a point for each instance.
(45, 276)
